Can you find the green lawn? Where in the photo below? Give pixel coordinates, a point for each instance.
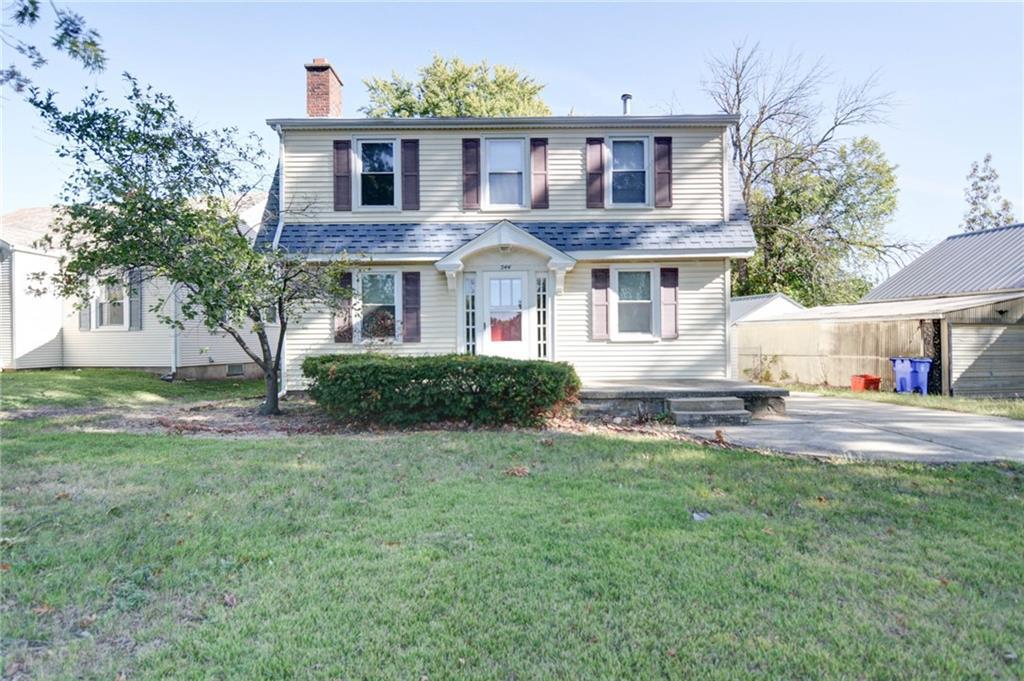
(110, 388)
(416, 556)
(986, 406)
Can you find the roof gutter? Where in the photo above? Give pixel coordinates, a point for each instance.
(708, 120)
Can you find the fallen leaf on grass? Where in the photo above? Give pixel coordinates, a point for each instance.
(43, 609)
(768, 530)
(4, 567)
(943, 581)
(230, 599)
(720, 437)
(822, 499)
(87, 621)
(517, 472)
(547, 442)
(62, 495)
(671, 652)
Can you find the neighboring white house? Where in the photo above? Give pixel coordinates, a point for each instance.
(603, 241)
(116, 328)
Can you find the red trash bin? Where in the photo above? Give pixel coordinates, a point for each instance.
(864, 382)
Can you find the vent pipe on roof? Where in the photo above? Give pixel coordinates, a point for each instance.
(627, 102)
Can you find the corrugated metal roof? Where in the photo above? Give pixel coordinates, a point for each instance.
(922, 308)
(440, 238)
(972, 262)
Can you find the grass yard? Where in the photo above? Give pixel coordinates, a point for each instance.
(986, 406)
(110, 388)
(417, 556)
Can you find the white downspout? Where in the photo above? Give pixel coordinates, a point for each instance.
(174, 329)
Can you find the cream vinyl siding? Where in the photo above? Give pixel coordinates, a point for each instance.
(6, 323)
(697, 177)
(314, 333)
(148, 347)
(198, 346)
(698, 352)
(153, 345)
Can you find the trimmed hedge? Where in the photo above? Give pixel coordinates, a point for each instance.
(402, 391)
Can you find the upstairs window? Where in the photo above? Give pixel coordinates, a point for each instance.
(379, 307)
(505, 161)
(629, 172)
(377, 162)
(110, 307)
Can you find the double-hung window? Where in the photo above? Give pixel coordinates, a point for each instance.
(635, 306)
(505, 162)
(110, 307)
(629, 176)
(377, 166)
(379, 306)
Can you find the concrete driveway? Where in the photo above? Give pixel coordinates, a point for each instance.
(858, 429)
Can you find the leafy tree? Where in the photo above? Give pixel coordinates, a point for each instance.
(818, 205)
(71, 36)
(986, 208)
(153, 195)
(817, 230)
(455, 88)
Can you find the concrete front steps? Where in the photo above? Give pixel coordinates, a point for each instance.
(708, 411)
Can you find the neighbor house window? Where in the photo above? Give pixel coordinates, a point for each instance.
(379, 307)
(629, 172)
(377, 163)
(505, 161)
(635, 306)
(110, 306)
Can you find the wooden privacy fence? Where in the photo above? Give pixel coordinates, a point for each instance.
(826, 352)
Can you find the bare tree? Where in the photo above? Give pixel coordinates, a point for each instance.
(789, 147)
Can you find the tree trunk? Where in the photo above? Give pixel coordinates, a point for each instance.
(270, 406)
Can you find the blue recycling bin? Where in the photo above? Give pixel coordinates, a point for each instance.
(919, 369)
(901, 369)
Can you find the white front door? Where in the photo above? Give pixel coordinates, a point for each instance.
(505, 330)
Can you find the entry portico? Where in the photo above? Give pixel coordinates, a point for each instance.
(507, 278)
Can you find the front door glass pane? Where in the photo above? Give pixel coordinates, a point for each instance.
(506, 309)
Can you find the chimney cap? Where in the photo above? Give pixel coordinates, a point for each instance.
(321, 64)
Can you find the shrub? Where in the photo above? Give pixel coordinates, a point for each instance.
(403, 391)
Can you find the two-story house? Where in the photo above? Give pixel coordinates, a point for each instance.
(603, 241)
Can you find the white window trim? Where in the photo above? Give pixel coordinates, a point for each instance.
(485, 189)
(608, 173)
(95, 303)
(357, 174)
(613, 312)
(357, 310)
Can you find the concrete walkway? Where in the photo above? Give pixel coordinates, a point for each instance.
(859, 429)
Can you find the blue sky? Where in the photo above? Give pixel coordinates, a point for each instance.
(955, 69)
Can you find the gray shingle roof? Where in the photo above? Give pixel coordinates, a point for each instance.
(972, 262)
(440, 238)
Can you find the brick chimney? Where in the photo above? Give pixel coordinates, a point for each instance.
(323, 90)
